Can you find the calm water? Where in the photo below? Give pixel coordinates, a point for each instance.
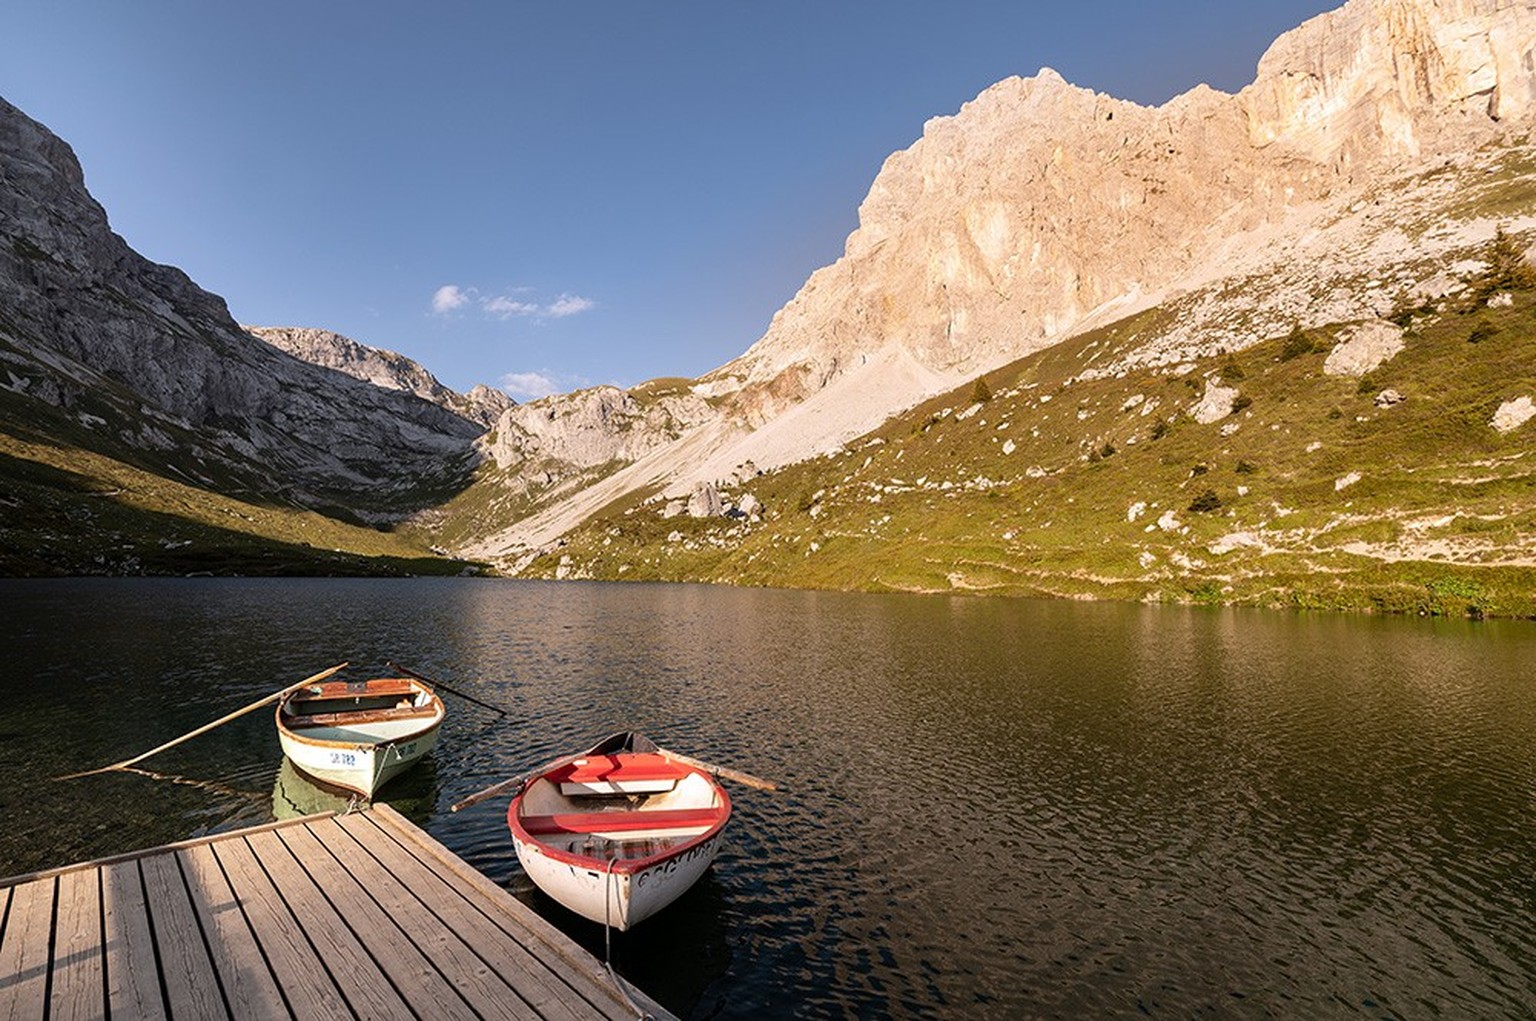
(991, 809)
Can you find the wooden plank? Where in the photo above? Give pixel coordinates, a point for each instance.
(133, 978)
(366, 987)
(191, 987)
(79, 990)
(540, 936)
(303, 978)
(24, 952)
(248, 983)
(97, 863)
(412, 973)
(565, 993)
(460, 960)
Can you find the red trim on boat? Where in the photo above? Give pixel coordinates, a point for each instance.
(613, 822)
(624, 866)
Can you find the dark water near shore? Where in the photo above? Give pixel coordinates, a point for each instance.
(990, 808)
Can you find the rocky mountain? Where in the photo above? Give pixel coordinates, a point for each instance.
(1324, 192)
(1271, 347)
(384, 369)
(105, 350)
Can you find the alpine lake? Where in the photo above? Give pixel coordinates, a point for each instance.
(988, 808)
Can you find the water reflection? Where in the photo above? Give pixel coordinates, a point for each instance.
(990, 808)
(413, 794)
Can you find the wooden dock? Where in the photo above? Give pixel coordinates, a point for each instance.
(335, 916)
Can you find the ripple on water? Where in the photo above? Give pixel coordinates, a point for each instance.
(990, 809)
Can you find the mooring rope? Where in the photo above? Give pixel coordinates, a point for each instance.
(613, 976)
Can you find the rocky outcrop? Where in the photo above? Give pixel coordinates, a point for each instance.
(384, 369)
(1363, 348)
(591, 428)
(167, 377)
(1511, 415)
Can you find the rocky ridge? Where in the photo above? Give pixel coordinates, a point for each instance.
(385, 369)
(148, 366)
(1323, 192)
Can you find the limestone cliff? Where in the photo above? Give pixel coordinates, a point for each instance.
(382, 368)
(1317, 194)
(1008, 224)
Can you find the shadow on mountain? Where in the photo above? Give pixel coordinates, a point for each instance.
(55, 521)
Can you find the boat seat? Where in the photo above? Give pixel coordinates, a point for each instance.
(351, 717)
(630, 773)
(606, 822)
(597, 769)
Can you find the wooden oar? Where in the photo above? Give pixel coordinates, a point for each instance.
(452, 691)
(746, 779)
(322, 675)
(516, 782)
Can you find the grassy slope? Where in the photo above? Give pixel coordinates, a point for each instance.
(69, 511)
(932, 501)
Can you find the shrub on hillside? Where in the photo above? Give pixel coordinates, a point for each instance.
(1481, 331)
(1159, 429)
(1507, 268)
(1297, 343)
(981, 393)
(1246, 468)
(1231, 372)
(1367, 386)
(1240, 402)
(1206, 503)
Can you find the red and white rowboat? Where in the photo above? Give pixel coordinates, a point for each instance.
(619, 832)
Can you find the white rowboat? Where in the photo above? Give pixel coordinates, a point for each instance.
(620, 832)
(359, 735)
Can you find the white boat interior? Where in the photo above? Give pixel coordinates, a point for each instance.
(654, 805)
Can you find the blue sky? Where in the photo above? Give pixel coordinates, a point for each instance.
(556, 193)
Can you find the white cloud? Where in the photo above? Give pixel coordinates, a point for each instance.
(569, 305)
(527, 386)
(504, 307)
(447, 298)
(451, 297)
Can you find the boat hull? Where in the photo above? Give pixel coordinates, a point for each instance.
(359, 735)
(361, 768)
(619, 899)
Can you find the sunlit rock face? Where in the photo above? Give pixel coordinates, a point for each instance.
(1040, 203)
(1316, 195)
(592, 427)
